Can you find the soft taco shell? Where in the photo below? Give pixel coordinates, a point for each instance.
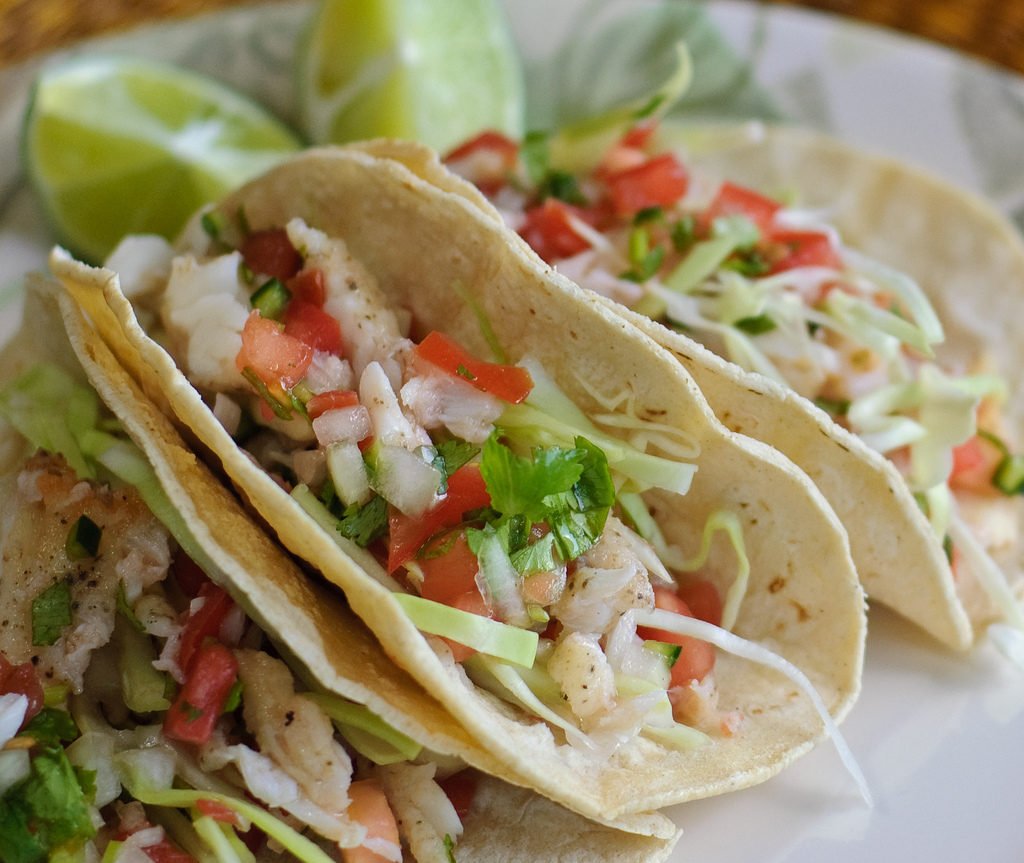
(970, 262)
(425, 244)
(313, 625)
(965, 256)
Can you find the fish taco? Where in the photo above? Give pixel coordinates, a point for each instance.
(881, 383)
(526, 500)
(173, 687)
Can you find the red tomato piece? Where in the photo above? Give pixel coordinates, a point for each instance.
(805, 249)
(697, 658)
(329, 401)
(278, 359)
(703, 600)
(309, 286)
(466, 491)
(657, 182)
(313, 326)
(461, 789)
(219, 812)
(974, 463)
(449, 568)
(200, 701)
(548, 230)
(22, 680)
(204, 624)
(640, 135)
(733, 200)
(167, 852)
(487, 141)
(271, 252)
(370, 808)
(509, 383)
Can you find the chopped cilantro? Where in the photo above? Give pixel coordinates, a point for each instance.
(684, 233)
(51, 727)
(570, 490)
(755, 325)
(563, 186)
(363, 524)
(834, 407)
(46, 809)
(463, 372)
(51, 612)
(449, 847)
(452, 454)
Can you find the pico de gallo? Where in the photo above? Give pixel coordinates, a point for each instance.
(509, 525)
(771, 287)
(143, 714)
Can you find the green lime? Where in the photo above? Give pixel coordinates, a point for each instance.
(119, 145)
(437, 72)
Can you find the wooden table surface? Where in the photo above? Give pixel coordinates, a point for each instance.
(990, 29)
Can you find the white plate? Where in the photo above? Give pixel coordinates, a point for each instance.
(940, 737)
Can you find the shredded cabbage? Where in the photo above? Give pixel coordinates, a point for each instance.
(725, 640)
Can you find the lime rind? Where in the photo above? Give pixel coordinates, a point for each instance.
(115, 145)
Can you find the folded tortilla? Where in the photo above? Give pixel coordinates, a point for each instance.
(325, 644)
(428, 246)
(970, 262)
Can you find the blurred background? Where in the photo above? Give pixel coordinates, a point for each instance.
(992, 30)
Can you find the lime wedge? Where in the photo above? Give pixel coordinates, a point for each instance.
(436, 72)
(118, 145)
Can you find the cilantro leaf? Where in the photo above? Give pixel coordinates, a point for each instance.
(51, 726)
(44, 810)
(363, 524)
(51, 612)
(569, 489)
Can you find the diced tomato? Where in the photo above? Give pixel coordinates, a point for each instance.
(278, 359)
(309, 286)
(697, 658)
(487, 141)
(219, 811)
(466, 491)
(549, 232)
(205, 623)
(329, 401)
(313, 326)
(271, 252)
(657, 182)
(461, 789)
(449, 568)
(167, 852)
(21, 680)
(734, 200)
(370, 808)
(974, 463)
(804, 249)
(200, 701)
(510, 383)
(640, 135)
(703, 600)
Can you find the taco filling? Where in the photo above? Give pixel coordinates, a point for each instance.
(146, 716)
(772, 288)
(478, 487)
(525, 499)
